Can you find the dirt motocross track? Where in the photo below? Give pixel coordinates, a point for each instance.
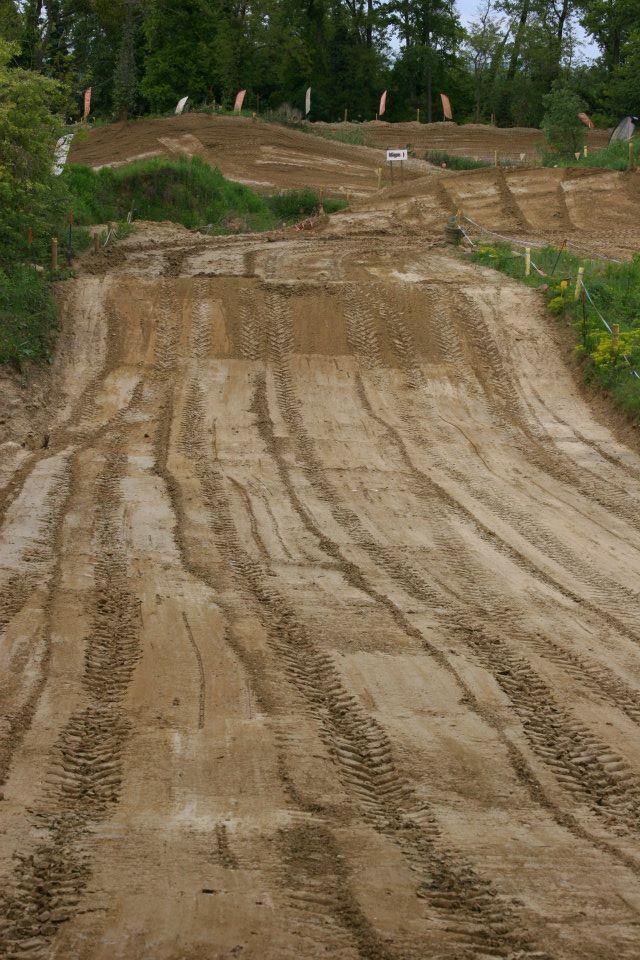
(320, 616)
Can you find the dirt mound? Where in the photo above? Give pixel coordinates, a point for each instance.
(264, 156)
(477, 141)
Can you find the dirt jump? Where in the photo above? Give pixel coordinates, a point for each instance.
(319, 612)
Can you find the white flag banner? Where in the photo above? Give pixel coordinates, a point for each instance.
(61, 153)
(181, 105)
(383, 104)
(307, 102)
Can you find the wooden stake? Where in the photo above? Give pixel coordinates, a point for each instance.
(418, 116)
(576, 292)
(585, 150)
(321, 201)
(615, 339)
(96, 242)
(54, 254)
(379, 172)
(401, 171)
(345, 114)
(527, 261)
(495, 158)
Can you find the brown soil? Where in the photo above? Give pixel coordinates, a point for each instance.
(319, 615)
(264, 156)
(476, 140)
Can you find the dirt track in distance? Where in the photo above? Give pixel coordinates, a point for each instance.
(319, 615)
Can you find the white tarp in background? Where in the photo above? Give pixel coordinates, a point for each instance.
(61, 153)
(181, 105)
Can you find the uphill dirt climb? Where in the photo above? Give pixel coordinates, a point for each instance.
(319, 615)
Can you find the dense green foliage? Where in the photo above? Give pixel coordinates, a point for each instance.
(565, 132)
(186, 191)
(143, 55)
(614, 289)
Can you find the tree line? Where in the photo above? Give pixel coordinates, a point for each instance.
(140, 56)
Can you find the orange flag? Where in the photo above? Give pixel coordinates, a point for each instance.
(239, 101)
(446, 107)
(87, 102)
(383, 104)
(588, 122)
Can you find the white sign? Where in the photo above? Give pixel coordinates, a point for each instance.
(61, 153)
(397, 155)
(181, 105)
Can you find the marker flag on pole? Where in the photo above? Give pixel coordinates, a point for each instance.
(588, 122)
(61, 153)
(307, 102)
(181, 105)
(383, 104)
(239, 101)
(87, 103)
(446, 107)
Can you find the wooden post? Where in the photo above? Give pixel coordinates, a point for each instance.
(345, 114)
(379, 172)
(96, 242)
(615, 340)
(402, 171)
(418, 116)
(321, 201)
(495, 158)
(527, 261)
(585, 150)
(576, 292)
(391, 170)
(632, 164)
(54, 254)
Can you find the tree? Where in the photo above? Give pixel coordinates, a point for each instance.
(30, 195)
(565, 132)
(125, 81)
(484, 44)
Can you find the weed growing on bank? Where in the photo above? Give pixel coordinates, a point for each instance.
(186, 191)
(27, 316)
(614, 289)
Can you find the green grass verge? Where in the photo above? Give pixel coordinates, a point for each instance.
(356, 136)
(613, 157)
(187, 191)
(27, 315)
(615, 291)
(454, 163)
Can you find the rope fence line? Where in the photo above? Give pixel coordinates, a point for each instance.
(532, 243)
(536, 243)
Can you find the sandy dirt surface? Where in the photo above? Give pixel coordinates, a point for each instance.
(475, 140)
(319, 616)
(264, 156)
(597, 211)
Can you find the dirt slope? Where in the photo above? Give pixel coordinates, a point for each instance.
(320, 619)
(468, 140)
(264, 156)
(596, 210)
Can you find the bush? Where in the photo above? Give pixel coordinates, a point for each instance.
(295, 204)
(563, 129)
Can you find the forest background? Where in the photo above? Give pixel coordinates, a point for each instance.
(140, 56)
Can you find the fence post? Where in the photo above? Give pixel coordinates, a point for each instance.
(321, 201)
(54, 254)
(379, 172)
(579, 283)
(418, 117)
(585, 150)
(527, 261)
(615, 340)
(96, 242)
(495, 158)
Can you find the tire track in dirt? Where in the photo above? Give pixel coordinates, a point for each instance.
(84, 781)
(560, 727)
(358, 745)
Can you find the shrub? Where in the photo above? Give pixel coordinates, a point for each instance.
(563, 129)
(454, 163)
(27, 315)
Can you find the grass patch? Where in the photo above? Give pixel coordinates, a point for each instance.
(27, 315)
(615, 291)
(186, 191)
(438, 157)
(355, 136)
(613, 157)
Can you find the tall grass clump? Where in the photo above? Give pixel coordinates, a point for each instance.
(453, 162)
(184, 190)
(293, 205)
(615, 291)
